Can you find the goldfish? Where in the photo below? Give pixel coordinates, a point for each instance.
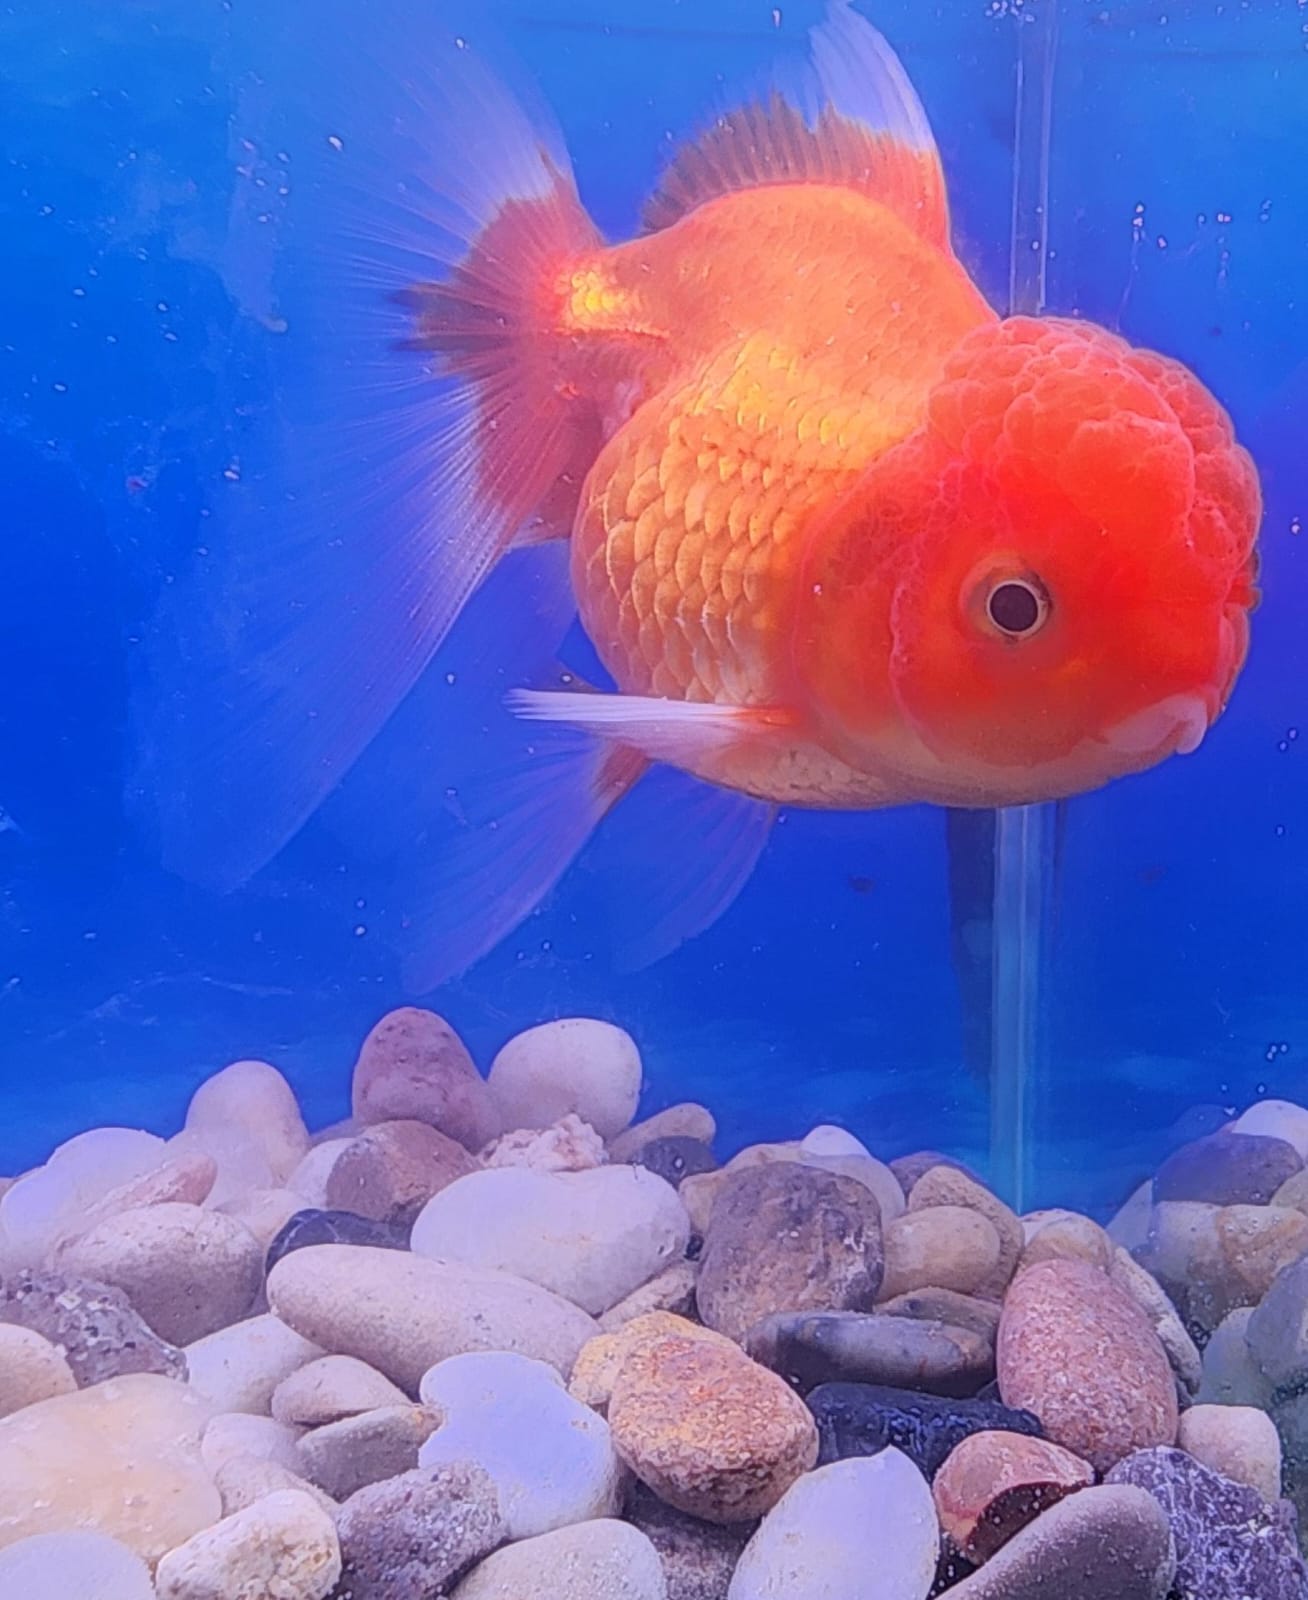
(841, 536)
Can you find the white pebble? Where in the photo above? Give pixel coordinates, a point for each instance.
(577, 1064)
(550, 1457)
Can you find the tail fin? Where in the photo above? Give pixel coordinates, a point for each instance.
(363, 492)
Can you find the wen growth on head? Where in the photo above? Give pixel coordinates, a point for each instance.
(840, 536)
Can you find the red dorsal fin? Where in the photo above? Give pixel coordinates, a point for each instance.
(850, 117)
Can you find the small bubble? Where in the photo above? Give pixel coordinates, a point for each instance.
(335, 142)
(1280, 830)
(1296, 526)
(1223, 216)
(360, 931)
(451, 678)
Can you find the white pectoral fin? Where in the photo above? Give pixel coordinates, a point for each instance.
(680, 732)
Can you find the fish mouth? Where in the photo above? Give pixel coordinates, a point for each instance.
(1177, 723)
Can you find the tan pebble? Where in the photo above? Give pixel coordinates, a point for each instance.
(283, 1547)
(602, 1559)
(31, 1369)
(241, 1480)
(1148, 1294)
(688, 1120)
(943, 1247)
(1293, 1192)
(708, 1430)
(1064, 1235)
(330, 1388)
(673, 1290)
(392, 1169)
(255, 1100)
(994, 1482)
(187, 1271)
(948, 1186)
(346, 1456)
(1240, 1442)
(1213, 1259)
(414, 1067)
(601, 1358)
(1259, 1241)
(238, 1368)
(1078, 1351)
(698, 1194)
(265, 1212)
(121, 1458)
(183, 1179)
(237, 1433)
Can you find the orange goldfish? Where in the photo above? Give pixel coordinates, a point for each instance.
(841, 536)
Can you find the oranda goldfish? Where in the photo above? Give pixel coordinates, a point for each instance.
(841, 536)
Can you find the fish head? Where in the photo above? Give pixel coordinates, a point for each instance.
(1073, 601)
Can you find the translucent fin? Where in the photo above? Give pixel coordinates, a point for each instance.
(676, 731)
(673, 861)
(364, 503)
(850, 117)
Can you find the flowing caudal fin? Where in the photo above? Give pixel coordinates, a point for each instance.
(848, 117)
(396, 421)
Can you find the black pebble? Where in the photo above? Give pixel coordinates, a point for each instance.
(861, 1419)
(676, 1158)
(333, 1227)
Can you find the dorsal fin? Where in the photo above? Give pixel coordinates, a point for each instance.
(849, 117)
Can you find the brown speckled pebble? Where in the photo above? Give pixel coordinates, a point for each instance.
(1076, 1349)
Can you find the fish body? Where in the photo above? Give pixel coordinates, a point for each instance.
(840, 535)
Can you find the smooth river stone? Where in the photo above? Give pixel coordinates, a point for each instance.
(1077, 1351)
(31, 1369)
(603, 1560)
(1279, 1119)
(550, 1458)
(343, 1457)
(253, 1100)
(945, 1305)
(50, 1203)
(808, 1348)
(709, 1430)
(942, 1247)
(331, 1388)
(592, 1237)
(283, 1547)
(687, 1120)
(122, 1459)
(402, 1313)
(1064, 1235)
(948, 1186)
(675, 1159)
(785, 1237)
(1227, 1169)
(864, 1527)
(73, 1566)
(993, 1483)
(1239, 1442)
(1098, 1544)
(1214, 1259)
(239, 1368)
(413, 1066)
(573, 1065)
(392, 1169)
(861, 1419)
(1231, 1376)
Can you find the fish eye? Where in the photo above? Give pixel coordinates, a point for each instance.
(1017, 607)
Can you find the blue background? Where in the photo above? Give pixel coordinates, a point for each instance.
(129, 340)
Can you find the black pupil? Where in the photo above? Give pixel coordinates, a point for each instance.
(1014, 608)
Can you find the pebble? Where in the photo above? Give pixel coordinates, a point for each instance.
(676, 1158)
(864, 1527)
(232, 1435)
(1239, 1442)
(688, 1120)
(591, 1237)
(1227, 1169)
(672, 1290)
(31, 1369)
(344, 1457)
(186, 1178)
(550, 1458)
(99, 1332)
(331, 1388)
(393, 1168)
(1230, 1544)
(1231, 1376)
(568, 1145)
(709, 1431)
(1147, 1292)
(949, 1186)
(908, 1169)
(1277, 1330)
(1213, 1259)
(597, 1366)
(698, 1557)
(50, 1203)
(318, 1226)
(860, 1419)
(239, 1368)
(945, 1305)
(414, 1067)
(833, 1149)
(122, 1459)
(1098, 1544)
(1293, 1192)
(57, 1566)
(1064, 1235)
(577, 1064)
(187, 1271)
(309, 1180)
(243, 1479)
(1280, 1119)
(283, 1547)
(784, 1237)
(414, 1535)
(943, 1247)
(603, 1560)
(993, 1483)
(809, 1348)
(265, 1212)
(1077, 1351)
(247, 1118)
